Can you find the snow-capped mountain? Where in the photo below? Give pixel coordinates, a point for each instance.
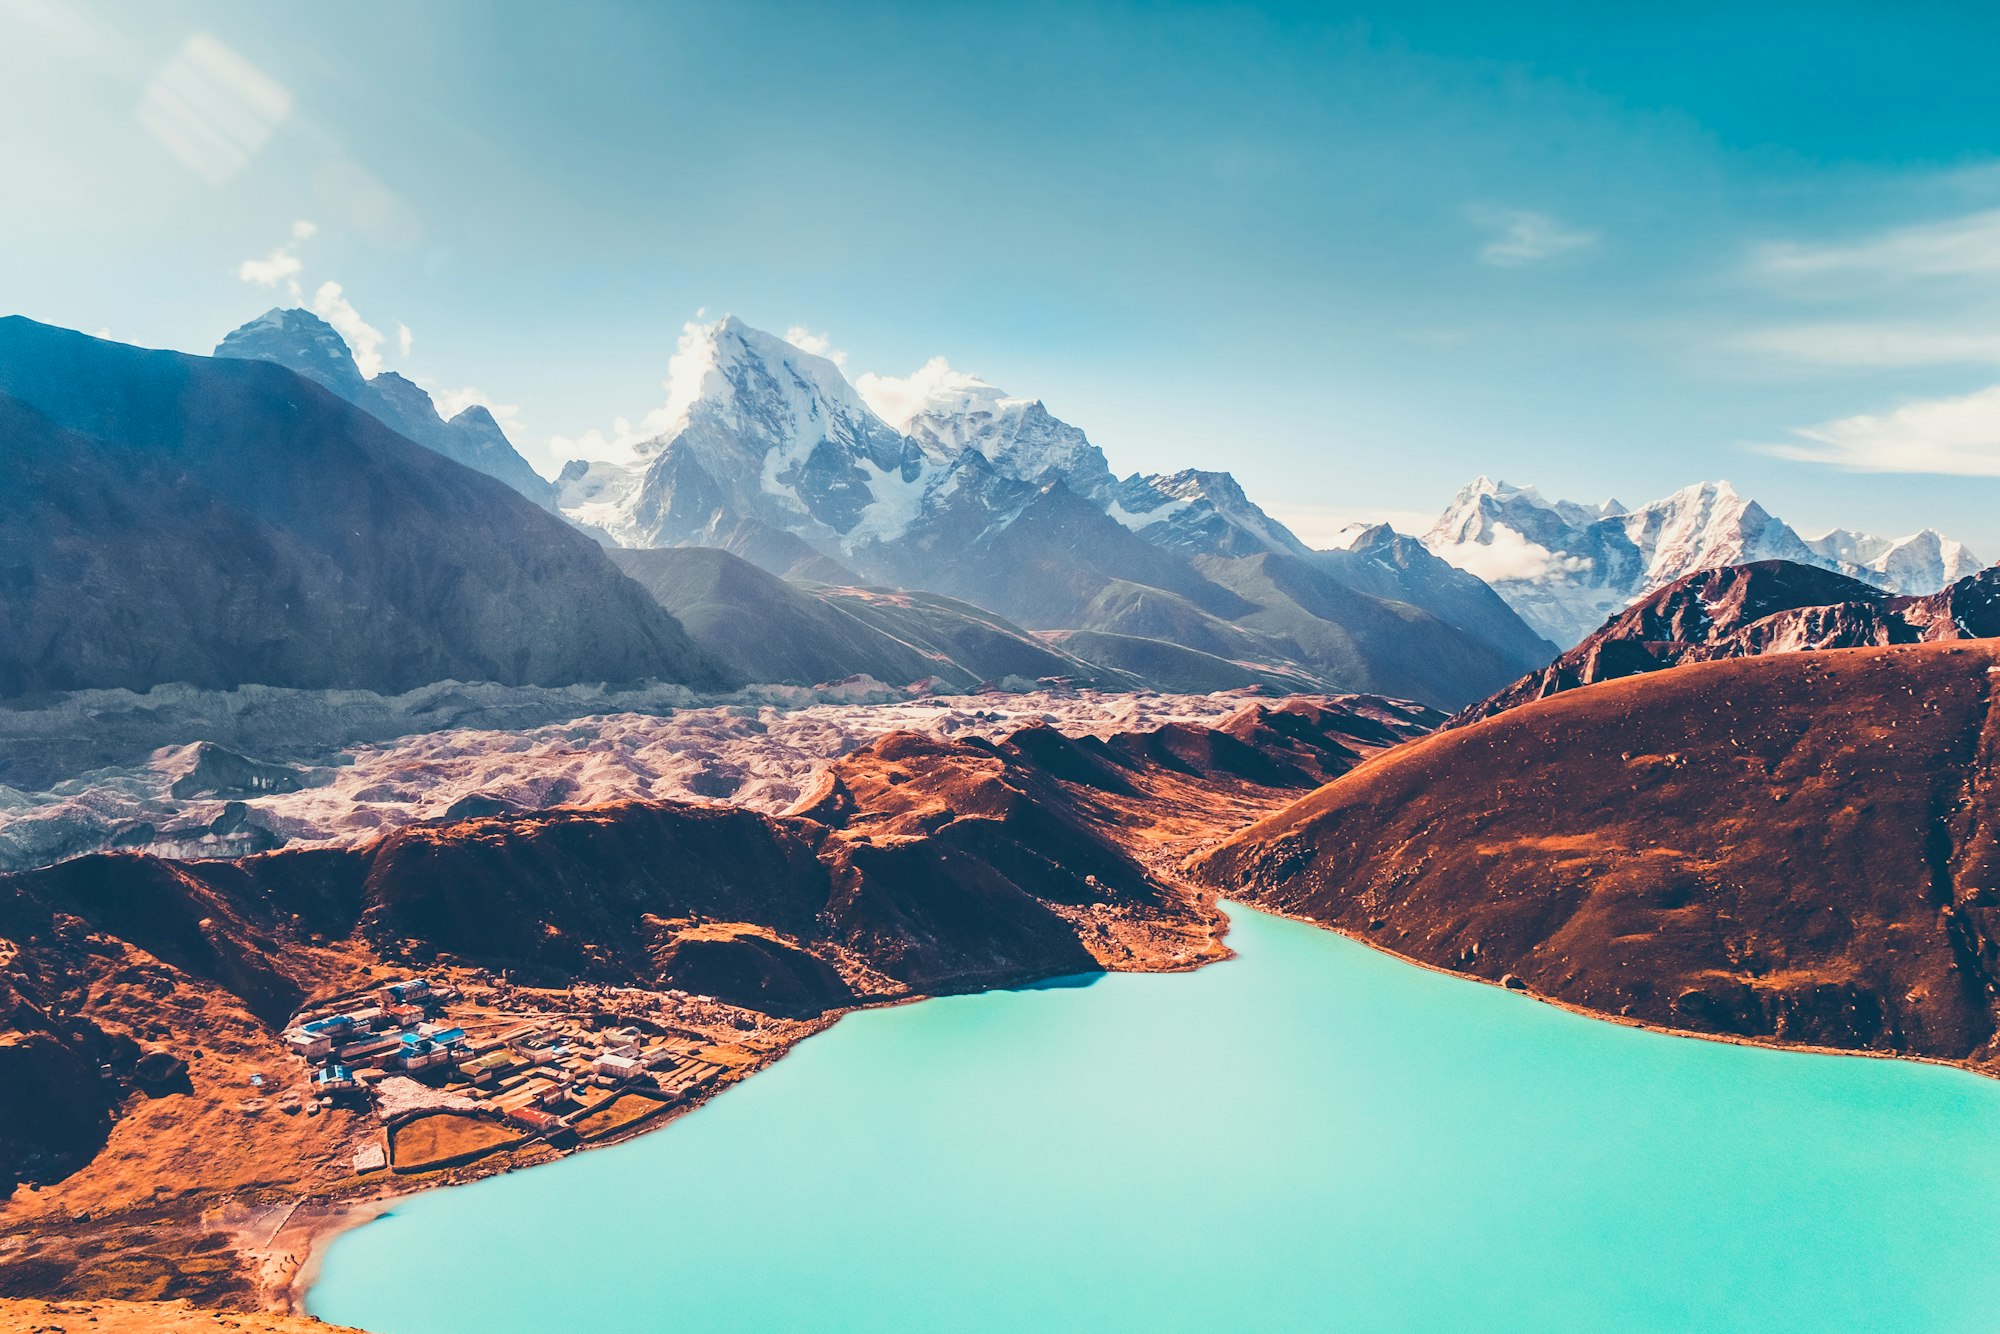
(944, 482)
(1205, 513)
(766, 432)
(1914, 566)
(1567, 567)
(948, 411)
(301, 341)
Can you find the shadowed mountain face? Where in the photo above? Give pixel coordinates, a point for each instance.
(765, 629)
(172, 518)
(1799, 848)
(1743, 610)
(301, 341)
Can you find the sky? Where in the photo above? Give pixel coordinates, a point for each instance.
(1356, 256)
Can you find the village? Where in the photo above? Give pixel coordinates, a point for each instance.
(452, 1077)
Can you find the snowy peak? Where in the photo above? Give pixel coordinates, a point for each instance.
(1915, 565)
(948, 411)
(760, 430)
(1566, 567)
(299, 341)
(1203, 513)
(779, 401)
(1704, 526)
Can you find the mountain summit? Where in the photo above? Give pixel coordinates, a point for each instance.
(302, 342)
(1566, 567)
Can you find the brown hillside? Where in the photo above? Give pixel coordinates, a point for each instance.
(1797, 849)
(156, 1139)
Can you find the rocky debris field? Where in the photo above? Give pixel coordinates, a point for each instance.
(207, 799)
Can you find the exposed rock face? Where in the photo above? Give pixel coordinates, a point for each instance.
(169, 518)
(1744, 610)
(301, 341)
(204, 769)
(1797, 849)
(1566, 567)
(1384, 563)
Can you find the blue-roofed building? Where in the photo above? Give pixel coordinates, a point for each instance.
(334, 1079)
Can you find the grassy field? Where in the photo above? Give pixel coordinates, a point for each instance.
(446, 1138)
(616, 1114)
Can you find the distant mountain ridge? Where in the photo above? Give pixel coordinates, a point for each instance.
(1566, 568)
(302, 342)
(976, 494)
(1742, 611)
(217, 521)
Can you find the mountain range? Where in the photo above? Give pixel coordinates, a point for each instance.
(972, 493)
(1741, 611)
(968, 535)
(1567, 567)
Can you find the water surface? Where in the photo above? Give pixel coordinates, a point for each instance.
(1311, 1136)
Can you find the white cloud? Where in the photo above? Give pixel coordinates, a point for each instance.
(1522, 237)
(451, 402)
(689, 367)
(805, 340)
(1508, 556)
(897, 398)
(1329, 527)
(1885, 345)
(1964, 246)
(282, 265)
(1950, 436)
(404, 338)
(274, 268)
(363, 338)
(212, 109)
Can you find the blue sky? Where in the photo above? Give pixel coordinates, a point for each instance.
(1356, 256)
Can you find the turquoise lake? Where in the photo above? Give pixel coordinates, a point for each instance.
(1310, 1136)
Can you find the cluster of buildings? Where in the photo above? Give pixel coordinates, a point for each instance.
(543, 1075)
(393, 1032)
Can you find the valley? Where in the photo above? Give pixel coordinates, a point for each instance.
(153, 1106)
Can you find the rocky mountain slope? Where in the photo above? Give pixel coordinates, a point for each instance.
(1796, 849)
(1566, 568)
(301, 341)
(989, 498)
(764, 629)
(140, 994)
(219, 521)
(1739, 611)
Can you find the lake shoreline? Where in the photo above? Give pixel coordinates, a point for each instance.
(288, 1293)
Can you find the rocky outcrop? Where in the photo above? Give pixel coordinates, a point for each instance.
(1744, 610)
(1797, 848)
